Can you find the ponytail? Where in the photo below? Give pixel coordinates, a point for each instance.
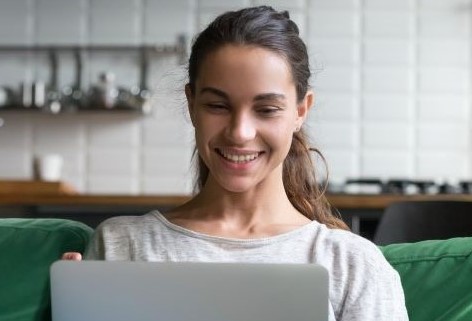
(301, 186)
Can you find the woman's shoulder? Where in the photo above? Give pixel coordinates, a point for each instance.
(362, 282)
(345, 247)
(131, 222)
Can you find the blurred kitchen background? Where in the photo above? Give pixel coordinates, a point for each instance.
(392, 78)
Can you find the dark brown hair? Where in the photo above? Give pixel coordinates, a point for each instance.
(267, 28)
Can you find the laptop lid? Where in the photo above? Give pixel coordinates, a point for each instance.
(145, 291)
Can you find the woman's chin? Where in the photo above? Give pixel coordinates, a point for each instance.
(238, 186)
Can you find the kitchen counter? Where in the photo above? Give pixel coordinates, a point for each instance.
(360, 211)
(339, 201)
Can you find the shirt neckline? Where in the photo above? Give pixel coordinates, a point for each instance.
(220, 239)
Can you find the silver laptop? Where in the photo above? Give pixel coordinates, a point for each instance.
(145, 291)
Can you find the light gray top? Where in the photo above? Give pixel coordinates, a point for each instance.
(363, 285)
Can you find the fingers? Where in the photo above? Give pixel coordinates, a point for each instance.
(72, 256)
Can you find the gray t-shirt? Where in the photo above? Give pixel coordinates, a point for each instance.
(363, 285)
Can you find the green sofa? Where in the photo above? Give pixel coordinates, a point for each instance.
(436, 278)
(436, 275)
(27, 249)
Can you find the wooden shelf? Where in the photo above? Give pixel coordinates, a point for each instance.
(177, 48)
(94, 200)
(26, 188)
(142, 110)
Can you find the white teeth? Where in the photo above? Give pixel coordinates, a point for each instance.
(239, 158)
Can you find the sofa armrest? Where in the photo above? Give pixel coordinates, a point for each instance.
(27, 249)
(436, 278)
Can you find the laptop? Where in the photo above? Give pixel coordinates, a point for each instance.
(145, 291)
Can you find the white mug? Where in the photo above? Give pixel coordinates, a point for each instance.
(50, 167)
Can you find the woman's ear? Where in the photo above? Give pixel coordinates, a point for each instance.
(303, 108)
(190, 102)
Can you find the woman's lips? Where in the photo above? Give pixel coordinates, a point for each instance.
(238, 157)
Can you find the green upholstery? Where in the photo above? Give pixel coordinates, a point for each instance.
(436, 278)
(436, 275)
(27, 249)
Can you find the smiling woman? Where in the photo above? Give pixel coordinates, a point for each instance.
(265, 58)
(257, 200)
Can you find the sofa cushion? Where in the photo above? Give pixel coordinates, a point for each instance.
(27, 249)
(436, 278)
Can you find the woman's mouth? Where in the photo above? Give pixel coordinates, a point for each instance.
(238, 158)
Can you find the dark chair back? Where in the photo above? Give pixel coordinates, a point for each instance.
(413, 221)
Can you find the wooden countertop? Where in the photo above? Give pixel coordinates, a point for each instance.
(340, 201)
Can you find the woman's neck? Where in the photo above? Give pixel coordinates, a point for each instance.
(261, 211)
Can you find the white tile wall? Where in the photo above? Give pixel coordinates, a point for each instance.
(451, 22)
(16, 164)
(161, 162)
(444, 137)
(157, 134)
(335, 135)
(16, 160)
(443, 52)
(115, 21)
(441, 165)
(443, 108)
(58, 133)
(444, 80)
(388, 24)
(281, 4)
(336, 79)
(334, 107)
(443, 5)
(16, 133)
(340, 5)
(14, 68)
(165, 20)
(385, 164)
(60, 21)
(402, 5)
(333, 23)
(223, 4)
(113, 162)
(113, 131)
(387, 108)
(16, 22)
(388, 52)
(113, 185)
(387, 136)
(334, 52)
(392, 82)
(342, 163)
(167, 185)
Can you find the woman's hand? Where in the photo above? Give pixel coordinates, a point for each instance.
(72, 256)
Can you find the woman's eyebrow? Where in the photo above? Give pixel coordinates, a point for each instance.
(214, 91)
(269, 96)
(222, 94)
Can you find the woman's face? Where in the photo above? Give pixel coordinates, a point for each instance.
(244, 110)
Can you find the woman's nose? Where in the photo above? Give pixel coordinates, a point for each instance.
(241, 128)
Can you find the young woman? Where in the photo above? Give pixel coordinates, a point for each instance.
(257, 199)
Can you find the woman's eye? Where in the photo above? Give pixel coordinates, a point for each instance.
(217, 107)
(268, 111)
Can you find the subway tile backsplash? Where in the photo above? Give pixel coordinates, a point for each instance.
(16, 22)
(60, 21)
(392, 82)
(165, 20)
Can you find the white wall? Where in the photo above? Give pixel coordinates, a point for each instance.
(392, 80)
